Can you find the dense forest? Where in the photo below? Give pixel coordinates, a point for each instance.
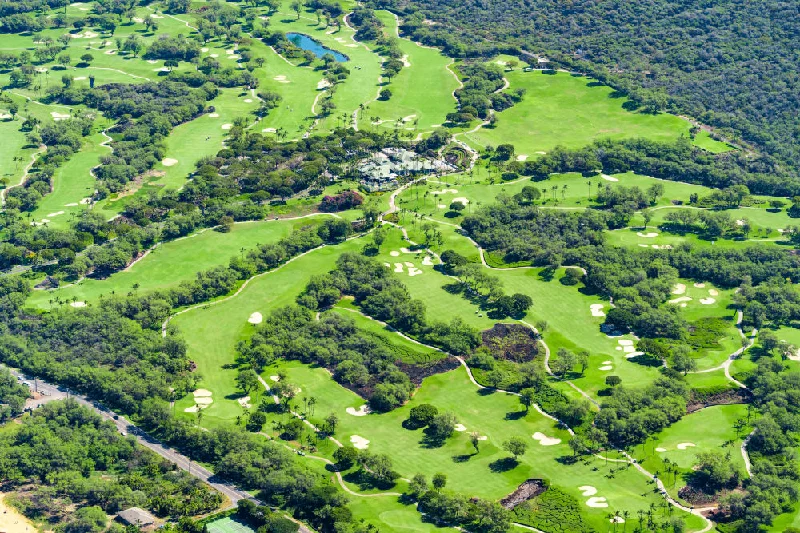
(729, 64)
(72, 468)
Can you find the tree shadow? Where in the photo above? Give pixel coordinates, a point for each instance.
(503, 465)
(547, 274)
(515, 415)
(595, 83)
(463, 458)
(365, 481)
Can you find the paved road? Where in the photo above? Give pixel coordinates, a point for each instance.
(51, 392)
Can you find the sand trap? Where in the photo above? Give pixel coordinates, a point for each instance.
(269, 130)
(684, 445)
(394, 253)
(597, 310)
(12, 521)
(203, 400)
(245, 402)
(441, 206)
(204, 49)
(460, 427)
(275, 378)
(409, 264)
(617, 520)
(72, 204)
(41, 70)
(681, 299)
(713, 292)
(154, 16)
(235, 56)
(359, 443)
(413, 271)
(139, 20)
(213, 115)
(281, 79)
(58, 116)
(483, 437)
(78, 304)
(522, 157)
(445, 191)
(461, 200)
(608, 178)
(628, 349)
(86, 201)
(648, 235)
(323, 84)
(227, 126)
(618, 348)
(608, 362)
(544, 440)
(387, 265)
(152, 61)
(700, 285)
(409, 118)
(679, 288)
(202, 393)
(597, 501)
(361, 411)
(248, 100)
(661, 450)
(80, 78)
(707, 301)
(606, 368)
(634, 354)
(230, 52)
(427, 261)
(194, 408)
(213, 55)
(398, 267)
(256, 318)
(50, 215)
(110, 52)
(587, 490)
(168, 162)
(625, 342)
(405, 61)
(161, 69)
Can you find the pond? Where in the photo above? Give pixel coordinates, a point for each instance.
(307, 43)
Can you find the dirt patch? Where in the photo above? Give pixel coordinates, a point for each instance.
(527, 491)
(513, 342)
(728, 397)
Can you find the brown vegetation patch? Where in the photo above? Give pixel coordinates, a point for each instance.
(512, 342)
(728, 397)
(527, 491)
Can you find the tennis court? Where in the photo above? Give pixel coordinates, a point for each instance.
(228, 525)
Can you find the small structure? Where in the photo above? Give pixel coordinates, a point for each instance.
(136, 516)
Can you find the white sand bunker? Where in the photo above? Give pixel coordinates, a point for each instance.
(700, 285)
(168, 162)
(597, 501)
(440, 206)
(597, 310)
(606, 368)
(227, 126)
(323, 84)
(58, 116)
(359, 443)
(80, 78)
(679, 288)
(625, 342)
(248, 100)
(213, 115)
(244, 401)
(633, 354)
(445, 191)
(405, 61)
(628, 349)
(364, 410)
(256, 318)
(648, 235)
(587, 490)
(204, 49)
(617, 520)
(269, 130)
(684, 445)
(394, 253)
(461, 200)
(50, 215)
(544, 440)
(152, 61)
(203, 401)
(707, 301)
(460, 427)
(427, 261)
(281, 79)
(203, 393)
(213, 55)
(713, 292)
(161, 69)
(522, 157)
(275, 378)
(78, 304)
(681, 299)
(154, 16)
(110, 52)
(608, 178)
(85, 201)
(194, 408)
(661, 450)
(398, 267)
(72, 204)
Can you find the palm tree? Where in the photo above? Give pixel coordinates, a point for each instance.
(564, 191)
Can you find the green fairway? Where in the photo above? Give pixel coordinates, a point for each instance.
(681, 442)
(560, 109)
(704, 140)
(173, 262)
(15, 155)
(422, 94)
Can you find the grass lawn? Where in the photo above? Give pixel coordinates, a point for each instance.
(571, 111)
(718, 433)
(15, 155)
(423, 91)
(175, 261)
(703, 140)
(211, 331)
